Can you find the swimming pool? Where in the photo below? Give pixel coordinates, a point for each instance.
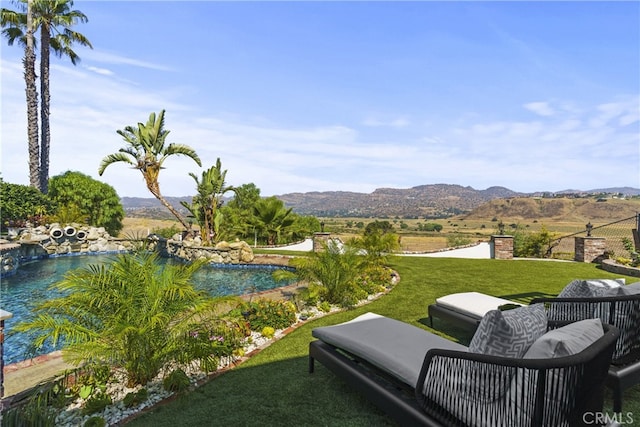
(30, 285)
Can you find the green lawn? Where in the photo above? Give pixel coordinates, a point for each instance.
(274, 388)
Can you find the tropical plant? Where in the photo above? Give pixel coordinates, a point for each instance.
(205, 205)
(272, 218)
(96, 202)
(336, 268)
(376, 245)
(54, 19)
(147, 151)
(134, 314)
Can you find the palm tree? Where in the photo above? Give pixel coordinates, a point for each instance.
(55, 19)
(272, 217)
(12, 24)
(205, 205)
(138, 315)
(146, 151)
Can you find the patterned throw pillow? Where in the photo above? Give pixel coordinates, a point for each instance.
(589, 288)
(509, 333)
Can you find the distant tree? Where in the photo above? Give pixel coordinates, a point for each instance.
(238, 213)
(95, 201)
(381, 226)
(22, 203)
(206, 203)
(147, 151)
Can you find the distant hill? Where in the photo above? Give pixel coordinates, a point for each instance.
(430, 201)
(437, 200)
(567, 209)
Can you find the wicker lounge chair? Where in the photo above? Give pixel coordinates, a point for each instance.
(622, 311)
(420, 378)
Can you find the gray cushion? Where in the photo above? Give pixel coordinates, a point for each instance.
(632, 289)
(589, 287)
(566, 341)
(509, 333)
(393, 346)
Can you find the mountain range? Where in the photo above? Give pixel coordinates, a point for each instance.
(429, 201)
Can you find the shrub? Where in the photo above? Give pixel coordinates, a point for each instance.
(135, 398)
(96, 403)
(167, 232)
(177, 381)
(268, 332)
(95, 421)
(275, 314)
(324, 306)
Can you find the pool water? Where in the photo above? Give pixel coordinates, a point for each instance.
(30, 285)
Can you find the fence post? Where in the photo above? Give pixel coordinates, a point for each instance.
(501, 247)
(589, 248)
(636, 233)
(320, 240)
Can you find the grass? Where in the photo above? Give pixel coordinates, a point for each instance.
(274, 388)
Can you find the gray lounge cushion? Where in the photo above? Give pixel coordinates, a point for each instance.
(509, 333)
(566, 341)
(393, 346)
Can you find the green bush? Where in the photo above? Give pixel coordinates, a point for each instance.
(96, 403)
(167, 232)
(268, 332)
(177, 381)
(95, 421)
(135, 398)
(275, 314)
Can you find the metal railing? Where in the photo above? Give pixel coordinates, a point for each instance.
(615, 233)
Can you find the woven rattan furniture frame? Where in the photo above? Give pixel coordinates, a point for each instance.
(434, 403)
(623, 312)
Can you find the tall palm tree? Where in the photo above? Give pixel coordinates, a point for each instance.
(205, 205)
(146, 150)
(55, 19)
(12, 23)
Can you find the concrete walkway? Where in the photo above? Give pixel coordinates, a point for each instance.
(480, 251)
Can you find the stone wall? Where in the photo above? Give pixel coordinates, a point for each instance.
(55, 239)
(222, 253)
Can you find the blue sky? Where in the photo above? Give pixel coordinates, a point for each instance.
(353, 96)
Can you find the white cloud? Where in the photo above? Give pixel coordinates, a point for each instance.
(540, 108)
(400, 122)
(103, 71)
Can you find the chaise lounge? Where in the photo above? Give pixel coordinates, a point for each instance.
(517, 370)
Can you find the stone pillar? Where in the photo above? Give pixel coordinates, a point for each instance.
(589, 248)
(3, 316)
(502, 247)
(320, 240)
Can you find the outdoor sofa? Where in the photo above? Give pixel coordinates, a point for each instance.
(519, 369)
(616, 304)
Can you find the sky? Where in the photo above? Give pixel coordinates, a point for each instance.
(306, 96)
